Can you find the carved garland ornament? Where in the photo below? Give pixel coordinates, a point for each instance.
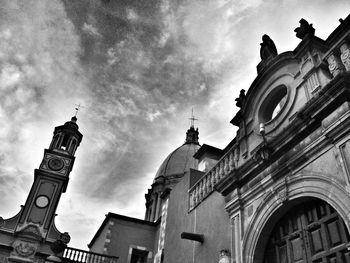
(24, 248)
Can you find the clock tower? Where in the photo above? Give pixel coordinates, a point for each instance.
(33, 228)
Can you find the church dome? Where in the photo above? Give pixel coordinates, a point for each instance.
(181, 159)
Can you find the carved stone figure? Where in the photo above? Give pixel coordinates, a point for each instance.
(304, 29)
(241, 99)
(268, 49)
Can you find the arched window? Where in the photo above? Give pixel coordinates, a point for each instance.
(72, 146)
(64, 143)
(54, 142)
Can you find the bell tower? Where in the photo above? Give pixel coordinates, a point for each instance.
(35, 223)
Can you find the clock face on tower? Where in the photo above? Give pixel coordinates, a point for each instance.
(55, 164)
(42, 201)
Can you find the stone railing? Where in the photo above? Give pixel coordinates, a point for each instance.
(205, 186)
(71, 255)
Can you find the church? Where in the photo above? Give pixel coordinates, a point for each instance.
(278, 192)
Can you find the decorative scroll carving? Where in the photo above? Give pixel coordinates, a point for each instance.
(345, 55)
(335, 65)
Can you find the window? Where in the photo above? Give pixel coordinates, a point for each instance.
(54, 141)
(138, 256)
(65, 142)
(72, 146)
(273, 104)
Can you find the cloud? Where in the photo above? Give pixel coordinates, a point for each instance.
(137, 67)
(135, 74)
(91, 30)
(39, 75)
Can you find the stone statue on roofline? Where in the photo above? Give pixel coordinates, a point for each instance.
(304, 29)
(241, 99)
(268, 49)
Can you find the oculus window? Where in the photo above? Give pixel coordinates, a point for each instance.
(273, 104)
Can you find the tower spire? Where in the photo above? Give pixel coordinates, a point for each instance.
(35, 224)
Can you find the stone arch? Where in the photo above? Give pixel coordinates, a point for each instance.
(301, 186)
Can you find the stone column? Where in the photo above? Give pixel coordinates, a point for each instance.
(154, 205)
(158, 206)
(236, 239)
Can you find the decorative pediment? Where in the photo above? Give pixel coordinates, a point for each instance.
(30, 231)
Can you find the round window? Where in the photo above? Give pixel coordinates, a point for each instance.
(273, 104)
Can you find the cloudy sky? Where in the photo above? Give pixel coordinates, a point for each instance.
(137, 67)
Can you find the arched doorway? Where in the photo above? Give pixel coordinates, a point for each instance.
(311, 231)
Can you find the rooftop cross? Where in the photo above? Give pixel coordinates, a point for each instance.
(193, 119)
(77, 108)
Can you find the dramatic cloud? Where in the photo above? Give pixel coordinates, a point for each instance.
(137, 67)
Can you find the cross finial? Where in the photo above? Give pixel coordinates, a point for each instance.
(193, 119)
(77, 108)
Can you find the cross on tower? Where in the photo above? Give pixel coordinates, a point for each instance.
(77, 108)
(193, 119)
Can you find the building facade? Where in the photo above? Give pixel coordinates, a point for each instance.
(280, 191)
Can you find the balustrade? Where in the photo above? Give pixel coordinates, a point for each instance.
(205, 186)
(71, 255)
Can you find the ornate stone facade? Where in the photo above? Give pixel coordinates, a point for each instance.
(280, 190)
